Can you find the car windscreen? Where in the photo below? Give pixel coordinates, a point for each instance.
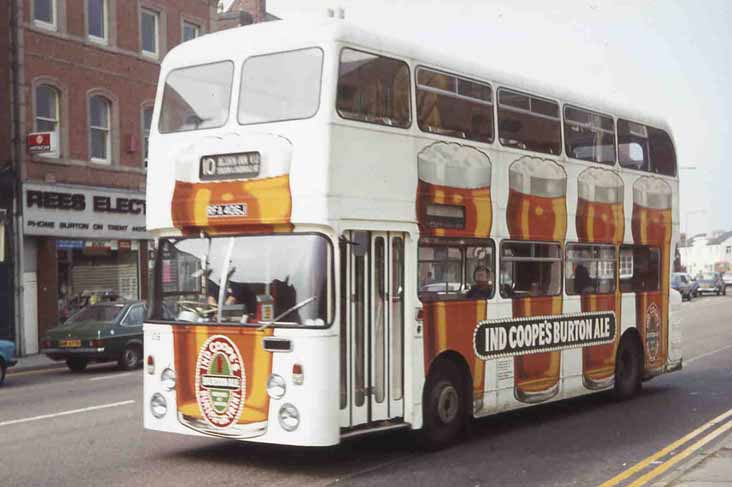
(196, 97)
(96, 313)
(708, 277)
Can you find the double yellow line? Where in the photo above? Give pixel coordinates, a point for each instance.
(718, 426)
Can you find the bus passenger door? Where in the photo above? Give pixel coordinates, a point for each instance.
(372, 335)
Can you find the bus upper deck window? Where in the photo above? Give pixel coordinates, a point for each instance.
(663, 156)
(633, 145)
(281, 86)
(529, 123)
(196, 97)
(589, 136)
(453, 106)
(373, 89)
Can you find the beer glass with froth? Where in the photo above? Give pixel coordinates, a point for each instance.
(537, 210)
(652, 226)
(454, 191)
(600, 219)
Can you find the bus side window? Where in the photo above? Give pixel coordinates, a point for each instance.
(529, 123)
(633, 145)
(645, 274)
(589, 269)
(589, 136)
(530, 269)
(456, 270)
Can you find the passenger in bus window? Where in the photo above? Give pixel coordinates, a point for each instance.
(582, 281)
(482, 287)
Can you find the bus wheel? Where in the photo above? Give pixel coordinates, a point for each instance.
(76, 364)
(628, 368)
(443, 407)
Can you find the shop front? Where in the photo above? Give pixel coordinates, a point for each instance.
(82, 245)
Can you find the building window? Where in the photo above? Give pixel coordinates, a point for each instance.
(47, 116)
(150, 28)
(147, 114)
(44, 13)
(728, 250)
(96, 15)
(99, 132)
(190, 31)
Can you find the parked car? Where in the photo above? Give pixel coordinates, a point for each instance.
(694, 284)
(683, 285)
(101, 332)
(711, 282)
(727, 278)
(7, 358)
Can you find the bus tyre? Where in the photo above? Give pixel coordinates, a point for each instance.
(76, 364)
(131, 358)
(443, 407)
(628, 368)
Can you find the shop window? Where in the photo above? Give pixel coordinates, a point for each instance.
(589, 136)
(589, 269)
(44, 13)
(454, 106)
(529, 123)
(373, 89)
(456, 270)
(190, 31)
(97, 22)
(150, 32)
(644, 272)
(47, 112)
(530, 269)
(99, 129)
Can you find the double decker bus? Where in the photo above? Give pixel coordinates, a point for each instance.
(355, 235)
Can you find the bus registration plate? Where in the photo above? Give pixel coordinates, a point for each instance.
(229, 209)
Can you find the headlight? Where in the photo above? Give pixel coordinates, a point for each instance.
(289, 417)
(167, 379)
(158, 405)
(276, 387)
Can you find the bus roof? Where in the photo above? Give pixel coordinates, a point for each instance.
(292, 34)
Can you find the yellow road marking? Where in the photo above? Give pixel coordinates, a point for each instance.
(665, 451)
(645, 478)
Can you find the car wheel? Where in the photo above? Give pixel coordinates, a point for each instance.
(443, 407)
(77, 364)
(628, 368)
(131, 358)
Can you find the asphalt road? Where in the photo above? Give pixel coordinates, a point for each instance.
(581, 442)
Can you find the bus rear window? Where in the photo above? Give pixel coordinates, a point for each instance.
(196, 98)
(645, 148)
(280, 86)
(373, 89)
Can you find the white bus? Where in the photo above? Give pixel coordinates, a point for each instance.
(354, 235)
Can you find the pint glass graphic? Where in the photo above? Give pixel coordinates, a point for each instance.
(537, 210)
(652, 225)
(454, 200)
(454, 191)
(235, 404)
(600, 219)
(259, 202)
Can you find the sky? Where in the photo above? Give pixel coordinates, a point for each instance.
(671, 59)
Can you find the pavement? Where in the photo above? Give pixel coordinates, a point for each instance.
(35, 362)
(711, 468)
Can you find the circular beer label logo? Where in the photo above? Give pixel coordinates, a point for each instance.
(653, 326)
(220, 381)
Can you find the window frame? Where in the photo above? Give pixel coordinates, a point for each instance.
(241, 86)
(196, 27)
(616, 273)
(155, 14)
(565, 121)
(408, 125)
(145, 132)
(458, 96)
(530, 113)
(105, 23)
(560, 259)
(462, 244)
(107, 130)
(53, 25)
(57, 131)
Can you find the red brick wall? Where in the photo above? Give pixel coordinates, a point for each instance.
(4, 84)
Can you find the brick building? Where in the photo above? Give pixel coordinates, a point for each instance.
(84, 71)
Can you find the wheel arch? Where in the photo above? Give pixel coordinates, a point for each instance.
(456, 360)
